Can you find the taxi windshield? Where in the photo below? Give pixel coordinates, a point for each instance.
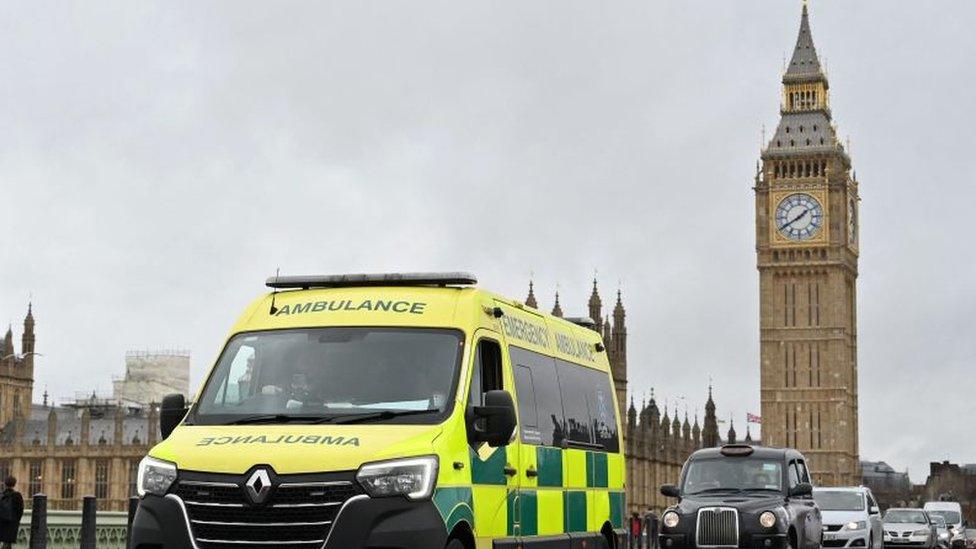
(402, 375)
(732, 474)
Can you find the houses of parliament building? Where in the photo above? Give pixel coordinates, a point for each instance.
(87, 447)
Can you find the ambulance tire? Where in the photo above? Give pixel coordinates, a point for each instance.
(455, 544)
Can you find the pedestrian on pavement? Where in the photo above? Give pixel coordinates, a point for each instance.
(11, 511)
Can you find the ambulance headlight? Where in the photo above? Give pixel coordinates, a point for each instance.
(155, 476)
(413, 478)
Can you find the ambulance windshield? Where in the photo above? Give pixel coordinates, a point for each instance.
(327, 374)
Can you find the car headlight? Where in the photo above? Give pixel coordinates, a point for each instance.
(155, 476)
(413, 478)
(767, 519)
(921, 532)
(944, 535)
(859, 525)
(671, 519)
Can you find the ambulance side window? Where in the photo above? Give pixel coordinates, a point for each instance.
(524, 386)
(537, 391)
(487, 372)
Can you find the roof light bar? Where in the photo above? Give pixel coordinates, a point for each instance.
(376, 279)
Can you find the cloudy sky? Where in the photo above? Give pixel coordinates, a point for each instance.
(159, 159)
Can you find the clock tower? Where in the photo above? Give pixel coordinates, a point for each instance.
(807, 256)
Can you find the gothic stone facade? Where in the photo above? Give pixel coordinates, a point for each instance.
(68, 452)
(656, 447)
(807, 256)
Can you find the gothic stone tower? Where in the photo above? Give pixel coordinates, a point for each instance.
(807, 255)
(17, 373)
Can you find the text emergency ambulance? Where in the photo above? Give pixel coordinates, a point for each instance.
(398, 410)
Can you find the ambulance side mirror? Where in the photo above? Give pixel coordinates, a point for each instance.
(171, 413)
(494, 422)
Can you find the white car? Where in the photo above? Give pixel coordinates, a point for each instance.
(909, 528)
(851, 517)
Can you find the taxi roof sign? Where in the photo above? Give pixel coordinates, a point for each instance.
(374, 279)
(737, 450)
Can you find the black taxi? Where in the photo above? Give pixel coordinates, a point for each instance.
(742, 496)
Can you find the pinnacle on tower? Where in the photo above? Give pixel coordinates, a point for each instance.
(530, 299)
(805, 63)
(27, 339)
(596, 306)
(731, 434)
(556, 309)
(710, 437)
(618, 311)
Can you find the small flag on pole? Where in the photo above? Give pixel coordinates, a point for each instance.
(753, 418)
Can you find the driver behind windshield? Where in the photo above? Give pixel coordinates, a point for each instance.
(331, 372)
(735, 474)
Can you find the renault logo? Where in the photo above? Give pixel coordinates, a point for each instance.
(258, 486)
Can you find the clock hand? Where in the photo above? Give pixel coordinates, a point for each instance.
(795, 219)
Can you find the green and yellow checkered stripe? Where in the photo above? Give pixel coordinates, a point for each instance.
(574, 491)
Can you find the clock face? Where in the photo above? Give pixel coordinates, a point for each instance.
(799, 217)
(851, 222)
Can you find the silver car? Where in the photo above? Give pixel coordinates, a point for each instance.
(850, 516)
(909, 528)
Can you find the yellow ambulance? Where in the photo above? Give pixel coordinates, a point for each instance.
(408, 410)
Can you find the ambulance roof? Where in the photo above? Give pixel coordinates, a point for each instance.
(430, 300)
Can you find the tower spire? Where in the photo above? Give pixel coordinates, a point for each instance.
(805, 63)
(27, 339)
(530, 299)
(596, 306)
(557, 310)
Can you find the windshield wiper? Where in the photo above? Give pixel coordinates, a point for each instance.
(377, 416)
(279, 418)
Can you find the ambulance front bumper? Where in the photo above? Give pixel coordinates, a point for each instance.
(162, 522)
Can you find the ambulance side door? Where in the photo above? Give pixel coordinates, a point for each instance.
(493, 470)
(540, 433)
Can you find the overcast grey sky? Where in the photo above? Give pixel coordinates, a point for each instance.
(159, 159)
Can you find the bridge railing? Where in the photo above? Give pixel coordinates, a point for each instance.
(41, 528)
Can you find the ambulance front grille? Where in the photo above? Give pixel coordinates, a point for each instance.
(718, 527)
(297, 514)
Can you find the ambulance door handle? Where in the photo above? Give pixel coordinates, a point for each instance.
(531, 472)
(509, 470)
